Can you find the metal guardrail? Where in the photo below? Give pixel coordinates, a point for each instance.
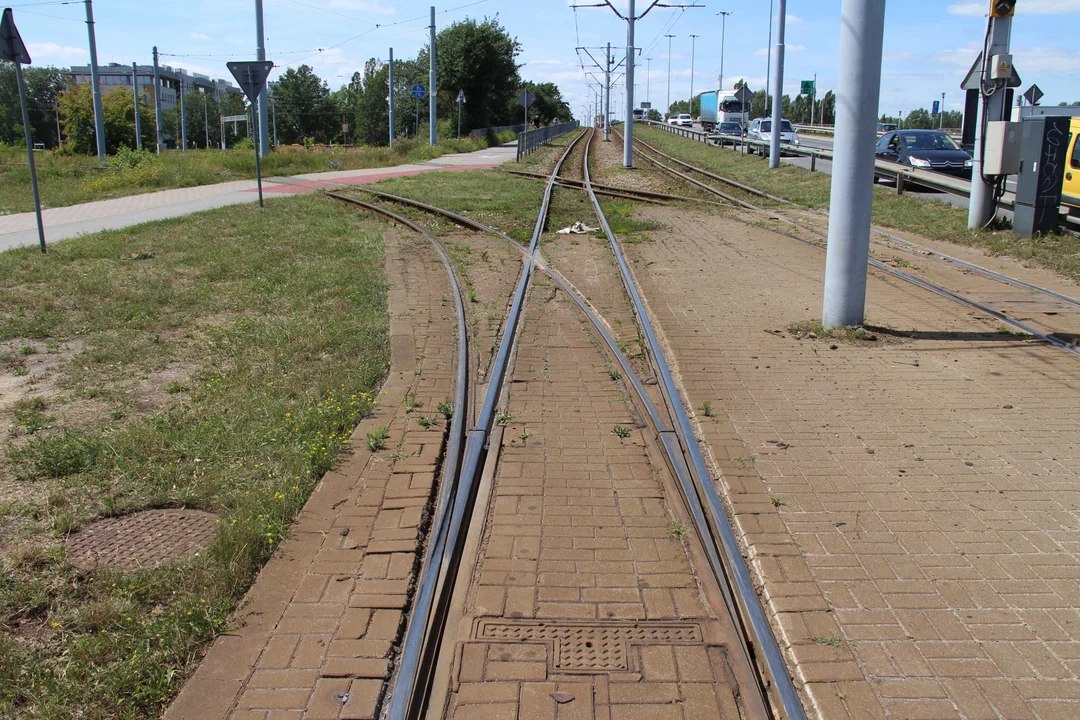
(533, 139)
(903, 175)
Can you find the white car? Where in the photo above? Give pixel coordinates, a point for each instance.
(683, 120)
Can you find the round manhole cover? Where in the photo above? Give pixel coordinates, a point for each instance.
(141, 540)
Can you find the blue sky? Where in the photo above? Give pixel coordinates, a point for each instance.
(929, 44)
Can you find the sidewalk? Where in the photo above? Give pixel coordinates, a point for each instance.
(68, 222)
(910, 505)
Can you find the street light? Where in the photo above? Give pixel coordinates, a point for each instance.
(648, 82)
(723, 33)
(693, 50)
(668, 108)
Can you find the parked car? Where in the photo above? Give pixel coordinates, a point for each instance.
(926, 150)
(1070, 191)
(761, 129)
(885, 127)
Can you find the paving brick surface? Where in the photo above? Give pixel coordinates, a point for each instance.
(910, 507)
(583, 603)
(315, 633)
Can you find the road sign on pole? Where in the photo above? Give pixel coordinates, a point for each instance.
(1033, 95)
(13, 50)
(251, 77)
(419, 92)
(526, 99)
(807, 87)
(460, 102)
(937, 108)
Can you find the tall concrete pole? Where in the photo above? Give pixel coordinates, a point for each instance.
(99, 117)
(433, 107)
(183, 116)
(778, 88)
(693, 55)
(391, 97)
(862, 30)
(648, 81)
(723, 34)
(206, 117)
(607, 94)
(138, 120)
(981, 207)
(768, 61)
(631, 58)
(260, 54)
(668, 108)
(157, 103)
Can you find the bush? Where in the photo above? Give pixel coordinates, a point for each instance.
(309, 143)
(127, 158)
(244, 144)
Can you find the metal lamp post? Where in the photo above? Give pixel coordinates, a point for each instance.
(667, 110)
(693, 54)
(723, 34)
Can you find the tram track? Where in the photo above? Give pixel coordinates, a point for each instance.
(1050, 336)
(670, 427)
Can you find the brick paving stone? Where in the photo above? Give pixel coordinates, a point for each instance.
(921, 489)
(578, 535)
(318, 626)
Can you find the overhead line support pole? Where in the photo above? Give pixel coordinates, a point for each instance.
(99, 117)
(607, 94)
(982, 205)
(138, 120)
(157, 102)
(778, 89)
(260, 54)
(862, 30)
(391, 97)
(433, 107)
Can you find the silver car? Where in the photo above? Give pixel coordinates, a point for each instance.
(761, 129)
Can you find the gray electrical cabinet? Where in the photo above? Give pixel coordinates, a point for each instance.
(1044, 153)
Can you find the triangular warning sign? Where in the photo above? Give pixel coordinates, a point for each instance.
(251, 76)
(12, 48)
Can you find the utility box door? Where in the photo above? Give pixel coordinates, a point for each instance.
(1002, 153)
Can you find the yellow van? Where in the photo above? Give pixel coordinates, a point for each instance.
(1070, 191)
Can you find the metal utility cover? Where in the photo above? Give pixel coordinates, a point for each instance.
(251, 76)
(526, 99)
(1033, 95)
(12, 47)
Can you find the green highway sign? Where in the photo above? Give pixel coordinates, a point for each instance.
(807, 87)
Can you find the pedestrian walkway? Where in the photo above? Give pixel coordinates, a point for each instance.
(67, 222)
(909, 505)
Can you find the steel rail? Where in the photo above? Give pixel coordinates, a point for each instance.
(429, 613)
(450, 476)
(580, 184)
(939, 255)
(1048, 338)
(704, 502)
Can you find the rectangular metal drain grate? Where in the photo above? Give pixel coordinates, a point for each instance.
(591, 647)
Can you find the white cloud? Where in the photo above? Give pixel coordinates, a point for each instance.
(198, 36)
(788, 48)
(1046, 60)
(794, 19)
(1027, 7)
(51, 52)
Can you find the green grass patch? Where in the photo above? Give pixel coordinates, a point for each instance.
(70, 180)
(921, 216)
(279, 321)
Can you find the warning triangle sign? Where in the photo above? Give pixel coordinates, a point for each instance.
(12, 48)
(251, 76)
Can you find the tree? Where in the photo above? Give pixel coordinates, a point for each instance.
(303, 107)
(549, 105)
(118, 109)
(480, 59)
(43, 88)
(365, 97)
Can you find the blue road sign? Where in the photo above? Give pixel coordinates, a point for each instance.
(937, 108)
(418, 91)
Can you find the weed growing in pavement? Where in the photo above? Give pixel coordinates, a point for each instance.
(525, 435)
(901, 262)
(814, 330)
(429, 421)
(621, 431)
(376, 441)
(615, 375)
(833, 641)
(472, 297)
(677, 530)
(447, 409)
(776, 500)
(412, 404)
(279, 320)
(504, 417)
(706, 408)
